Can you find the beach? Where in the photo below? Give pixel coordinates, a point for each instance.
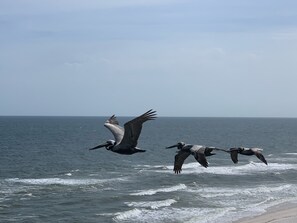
(283, 213)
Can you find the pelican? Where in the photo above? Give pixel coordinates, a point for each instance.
(245, 151)
(125, 138)
(199, 152)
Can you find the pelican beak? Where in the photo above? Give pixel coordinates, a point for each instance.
(169, 147)
(99, 146)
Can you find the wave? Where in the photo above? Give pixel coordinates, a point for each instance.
(167, 214)
(291, 154)
(236, 169)
(247, 199)
(61, 181)
(210, 192)
(152, 204)
(284, 159)
(147, 167)
(128, 214)
(234, 201)
(165, 189)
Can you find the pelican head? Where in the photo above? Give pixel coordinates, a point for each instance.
(179, 145)
(108, 145)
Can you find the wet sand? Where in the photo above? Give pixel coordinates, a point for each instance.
(283, 213)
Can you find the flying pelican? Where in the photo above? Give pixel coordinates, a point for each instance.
(245, 151)
(199, 152)
(125, 138)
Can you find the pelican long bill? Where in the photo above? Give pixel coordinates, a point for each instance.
(99, 146)
(169, 147)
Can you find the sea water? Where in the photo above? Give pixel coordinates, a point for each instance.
(47, 173)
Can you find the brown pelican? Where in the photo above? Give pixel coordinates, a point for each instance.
(199, 152)
(125, 138)
(245, 151)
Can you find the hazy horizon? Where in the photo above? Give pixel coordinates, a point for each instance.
(158, 116)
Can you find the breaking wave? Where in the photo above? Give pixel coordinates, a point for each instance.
(209, 192)
(61, 181)
(189, 215)
(164, 190)
(236, 169)
(152, 204)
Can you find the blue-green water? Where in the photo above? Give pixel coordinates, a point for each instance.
(47, 173)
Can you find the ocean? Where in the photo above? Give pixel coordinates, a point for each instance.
(47, 173)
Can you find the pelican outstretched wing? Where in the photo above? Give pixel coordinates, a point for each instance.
(234, 155)
(259, 155)
(113, 125)
(199, 155)
(179, 160)
(133, 128)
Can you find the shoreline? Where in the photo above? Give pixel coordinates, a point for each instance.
(281, 213)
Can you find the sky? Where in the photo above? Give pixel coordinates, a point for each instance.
(197, 58)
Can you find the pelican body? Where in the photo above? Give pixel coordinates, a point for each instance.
(246, 151)
(199, 152)
(125, 138)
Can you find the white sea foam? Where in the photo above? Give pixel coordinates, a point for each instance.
(143, 212)
(61, 181)
(126, 215)
(211, 215)
(163, 189)
(210, 192)
(247, 199)
(152, 204)
(236, 169)
(151, 166)
(253, 210)
(291, 159)
(189, 215)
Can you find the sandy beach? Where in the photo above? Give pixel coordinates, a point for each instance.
(283, 213)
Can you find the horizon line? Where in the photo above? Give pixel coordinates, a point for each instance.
(276, 117)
